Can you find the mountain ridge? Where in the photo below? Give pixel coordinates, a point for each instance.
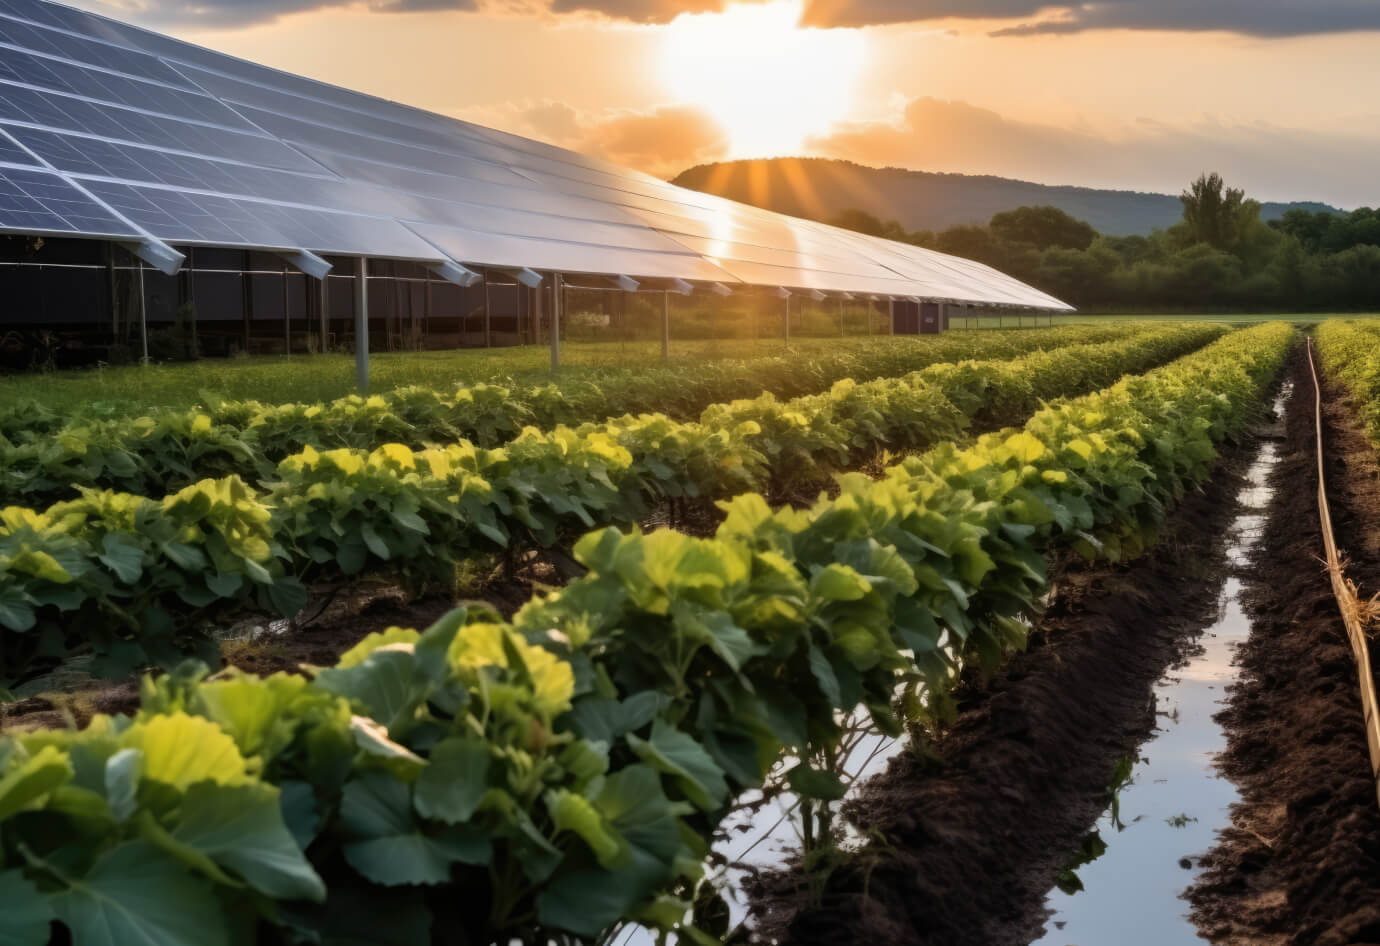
(820, 188)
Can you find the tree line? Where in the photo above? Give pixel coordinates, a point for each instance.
(1220, 256)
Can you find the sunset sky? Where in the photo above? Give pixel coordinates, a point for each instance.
(1280, 96)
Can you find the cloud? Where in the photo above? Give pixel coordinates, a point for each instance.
(639, 11)
(223, 14)
(1270, 161)
(1264, 18)
(662, 141)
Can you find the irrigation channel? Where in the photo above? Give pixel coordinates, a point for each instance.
(1172, 799)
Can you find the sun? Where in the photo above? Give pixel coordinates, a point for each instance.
(770, 83)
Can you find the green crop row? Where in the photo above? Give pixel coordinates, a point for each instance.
(545, 779)
(1349, 352)
(129, 578)
(42, 460)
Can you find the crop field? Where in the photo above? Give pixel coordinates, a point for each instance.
(490, 656)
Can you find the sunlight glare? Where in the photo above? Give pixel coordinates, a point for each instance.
(770, 83)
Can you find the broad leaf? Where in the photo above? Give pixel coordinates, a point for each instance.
(138, 895)
(26, 917)
(454, 780)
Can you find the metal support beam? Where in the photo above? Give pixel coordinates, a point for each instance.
(891, 311)
(362, 326)
(529, 278)
(309, 263)
(682, 287)
(788, 321)
(626, 283)
(666, 325)
(556, 300)
(157, 254)
(454, 272)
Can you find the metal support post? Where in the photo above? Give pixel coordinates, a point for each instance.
(488, 311)
(665, 325)
(143, 312)
(788, 321)
(556, 301)
(287, 317)
(891, 313)
(362, 326)
(323, 301)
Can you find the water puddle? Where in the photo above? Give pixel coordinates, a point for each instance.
(1125, 881)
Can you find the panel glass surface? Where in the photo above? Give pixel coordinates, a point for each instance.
(34, 201)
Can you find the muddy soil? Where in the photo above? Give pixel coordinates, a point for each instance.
(974, 831)
(1300, 863)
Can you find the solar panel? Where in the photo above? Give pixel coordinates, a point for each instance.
(107, 129)
(20, 104)
(11, 153)
(35, 201)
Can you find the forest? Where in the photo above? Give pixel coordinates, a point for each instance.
(1220, 257)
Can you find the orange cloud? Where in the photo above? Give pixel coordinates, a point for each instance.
(663, 141)
(1270, 161)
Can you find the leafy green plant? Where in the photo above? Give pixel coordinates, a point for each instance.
(412, 515)
(548, 778)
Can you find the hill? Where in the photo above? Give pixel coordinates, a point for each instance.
(923, 200)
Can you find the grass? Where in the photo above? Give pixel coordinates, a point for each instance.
(1305, 318)
(310, 378)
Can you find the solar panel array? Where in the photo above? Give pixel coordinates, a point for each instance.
(107, 130)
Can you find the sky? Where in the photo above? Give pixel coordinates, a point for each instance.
(1282, 97)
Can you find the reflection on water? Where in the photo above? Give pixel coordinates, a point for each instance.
(1175, 802)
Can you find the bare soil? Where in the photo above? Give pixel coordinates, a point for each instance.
(1300, 863)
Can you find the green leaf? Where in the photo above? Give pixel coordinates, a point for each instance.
(298, 803)
(138, 895)
(671, 751)
(606, 720)
(388, 846)
(386, 684)
(241, 828)
(587, 900)
(32, 779)
(454, 780)
(26, 917)
(815, 783)
(288, 596)
(123, 555)
(717, 630)
(823, 672)
(180, 750)
(225, 585)
(839, 583)
(572, 812)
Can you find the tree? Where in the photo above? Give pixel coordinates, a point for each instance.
(1042, 228)
(1214, 213)
(864, 222)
